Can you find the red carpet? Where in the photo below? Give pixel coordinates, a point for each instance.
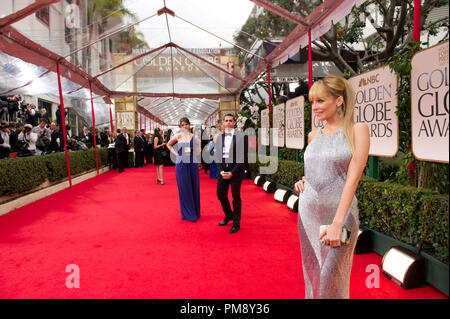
(125, 233)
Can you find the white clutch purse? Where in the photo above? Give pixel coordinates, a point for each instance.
(345, 236)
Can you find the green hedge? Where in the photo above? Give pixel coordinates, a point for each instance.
(405, 213)
(22, 174)
(286, 174)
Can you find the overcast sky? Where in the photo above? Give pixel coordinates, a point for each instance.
(220, 17)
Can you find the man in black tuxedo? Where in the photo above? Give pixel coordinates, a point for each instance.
(86, 137)
(122, 147)
(138, 150)
(57, 139)
(232, 149)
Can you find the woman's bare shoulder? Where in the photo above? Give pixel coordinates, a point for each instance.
(311, 135)
(361, 128)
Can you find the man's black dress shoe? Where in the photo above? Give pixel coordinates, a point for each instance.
(234, 230)
(224, 222)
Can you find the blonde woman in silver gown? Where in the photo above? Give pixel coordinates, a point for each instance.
(335, 159)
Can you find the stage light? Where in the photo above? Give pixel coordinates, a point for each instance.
(281, 195)
(364, 241)
(292, 203)
(269, 187)
(404, 267)
(259, 180)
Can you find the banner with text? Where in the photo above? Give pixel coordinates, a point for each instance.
(376, 105)
(430, 103)
(265, 126)
(295, 123)
(278, 125)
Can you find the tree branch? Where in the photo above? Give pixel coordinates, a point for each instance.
(400, 29)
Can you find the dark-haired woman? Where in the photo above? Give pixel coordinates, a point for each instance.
(158, 146)
(186, 169)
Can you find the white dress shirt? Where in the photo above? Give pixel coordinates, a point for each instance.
(227, 143)
(29, 139)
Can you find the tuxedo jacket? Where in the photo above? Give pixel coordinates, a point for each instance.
(138, 143)
(121, 143)
(237, 160)
(86, 137)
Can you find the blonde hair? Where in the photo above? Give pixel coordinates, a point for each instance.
(337, 86)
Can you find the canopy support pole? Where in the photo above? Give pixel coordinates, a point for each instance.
(310, 71)
(110, 116)
(416, 25)
(268, 83)
(63, 123)
(416, 37)
(93, 127)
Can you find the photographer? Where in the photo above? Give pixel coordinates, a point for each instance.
(9, 105)
(5, 147)
(44, 136)
(58, 116)
(31, 116)
(27, 140)
(57, 141)
(15, 130)
(86, 137)
(3, 107)
(43, 114)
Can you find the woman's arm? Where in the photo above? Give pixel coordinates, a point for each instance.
(197, 147)
(155, 143)
(299, 187)
(172, 141)
(354, 172)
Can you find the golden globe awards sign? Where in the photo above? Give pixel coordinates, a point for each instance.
(430, 104)
(376, 105)
(265, 126)
(278, 125)
(295, 120)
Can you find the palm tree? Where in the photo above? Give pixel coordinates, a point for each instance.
(99, 13)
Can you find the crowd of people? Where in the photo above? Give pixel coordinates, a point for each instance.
(27, 131)
(153, 149)
(24, 139)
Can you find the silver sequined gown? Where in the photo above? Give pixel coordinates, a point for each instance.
(326, 270)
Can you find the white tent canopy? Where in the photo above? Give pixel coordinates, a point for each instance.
(182, 53)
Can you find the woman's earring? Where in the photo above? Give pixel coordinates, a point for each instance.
(339, 110)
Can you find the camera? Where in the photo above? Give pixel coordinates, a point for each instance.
(23, 109)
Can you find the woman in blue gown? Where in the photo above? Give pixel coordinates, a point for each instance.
(213, 172)
(186, 169)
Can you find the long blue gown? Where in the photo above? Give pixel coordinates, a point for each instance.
(188, 182)
(213, 172)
